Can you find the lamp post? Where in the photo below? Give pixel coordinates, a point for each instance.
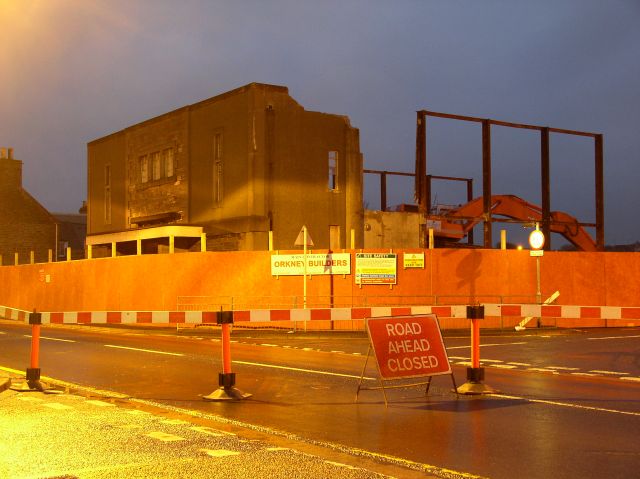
(536, 241)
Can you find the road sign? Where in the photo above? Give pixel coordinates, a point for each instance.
(408, 346)
(300, 240)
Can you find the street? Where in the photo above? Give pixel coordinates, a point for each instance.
(568, 403)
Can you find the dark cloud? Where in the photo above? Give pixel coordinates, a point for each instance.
(74, 71)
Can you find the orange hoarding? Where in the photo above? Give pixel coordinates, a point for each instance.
(408, 346)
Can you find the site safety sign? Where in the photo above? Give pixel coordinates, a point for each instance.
(408, 346)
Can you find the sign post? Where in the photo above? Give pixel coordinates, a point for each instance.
(406, 347)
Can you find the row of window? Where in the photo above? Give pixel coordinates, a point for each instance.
(160, 165)
(156, 166)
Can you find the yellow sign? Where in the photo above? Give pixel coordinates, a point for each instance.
(413, 260)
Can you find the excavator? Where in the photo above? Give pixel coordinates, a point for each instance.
(453, 224)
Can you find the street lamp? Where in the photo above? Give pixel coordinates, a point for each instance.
(536, 241)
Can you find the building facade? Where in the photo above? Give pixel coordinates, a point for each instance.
(234, 167)
(25, 224)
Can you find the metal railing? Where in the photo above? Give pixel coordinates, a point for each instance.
(241, 302)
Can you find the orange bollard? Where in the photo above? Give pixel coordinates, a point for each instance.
(475, 343)
(226, 379)
(33, 371)
(475, 374)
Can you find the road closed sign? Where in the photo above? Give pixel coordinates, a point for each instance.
(408, 346)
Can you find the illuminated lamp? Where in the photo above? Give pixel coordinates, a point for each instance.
(536, 239)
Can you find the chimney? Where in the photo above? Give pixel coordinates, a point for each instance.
(10, 169)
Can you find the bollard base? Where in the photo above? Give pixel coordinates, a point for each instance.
(474, 385)
(227, 394)
(24, 385)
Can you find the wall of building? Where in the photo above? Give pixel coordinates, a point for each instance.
(450, 276)
(274, 168)
(385, 228)
(25, 224)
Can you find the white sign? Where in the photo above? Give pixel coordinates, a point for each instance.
(376, 268)
(413, 260)
(323, 263)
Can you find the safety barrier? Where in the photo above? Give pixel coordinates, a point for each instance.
(496, 315)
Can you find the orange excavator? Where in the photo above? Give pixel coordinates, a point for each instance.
(454, 224)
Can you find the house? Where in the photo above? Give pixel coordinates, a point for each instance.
(234, 167)
(25, 225)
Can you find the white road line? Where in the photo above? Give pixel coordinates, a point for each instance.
(312, 371)
(612, 373)
(502, 366)
(561, 368)
(57, 405)
(53, 339)
(544, 370)
(164, 437)
(491, 361)
(519, 364)
(630, 379)
(2, 332)
(585, 374)
(219, 452)
(143, 350)
(564, 404)
(613, 337)
(488, 345)
(95, 402)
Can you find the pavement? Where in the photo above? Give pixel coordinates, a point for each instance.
(67, 433)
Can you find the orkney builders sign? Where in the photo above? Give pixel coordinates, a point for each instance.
(408, 346)
(325, 263)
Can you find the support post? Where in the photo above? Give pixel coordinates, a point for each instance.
(383, 191)
(226, 379)
(68, 253)
(32, 257)
(546, 188)
(50, 255)
(203, 242)
(89, 251)
(599, 154)
(503, 239)
(486, 181)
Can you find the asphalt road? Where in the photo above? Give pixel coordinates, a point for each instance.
(569, 404)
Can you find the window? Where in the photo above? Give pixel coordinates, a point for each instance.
(156, 166)
(169, 167)
(333, 170)
(144, 169)
(107, 194)
(217, 169)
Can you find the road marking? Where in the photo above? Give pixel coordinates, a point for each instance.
(176, 422)
(143, 350)
(164, 437)
(219, 452)
(613, 373)
(491, 361)
(562, 368)
(269, 345)
(210, 431)
(630, 379)
(57, 405)
(95, 402)
(585, 374)
(339, 464)
(571, 405)
(488, 345)
(502, 366)
(2, 332)
(53, 339)
(544, 370)
(312, 371)
(613, 337)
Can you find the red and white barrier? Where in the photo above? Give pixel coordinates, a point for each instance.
(510, 311)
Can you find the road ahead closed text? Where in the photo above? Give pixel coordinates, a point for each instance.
(408, 346)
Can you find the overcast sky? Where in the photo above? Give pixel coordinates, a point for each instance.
(75, 70)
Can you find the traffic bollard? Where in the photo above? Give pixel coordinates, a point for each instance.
(226, 379)
(475, 374)
(32, 376)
